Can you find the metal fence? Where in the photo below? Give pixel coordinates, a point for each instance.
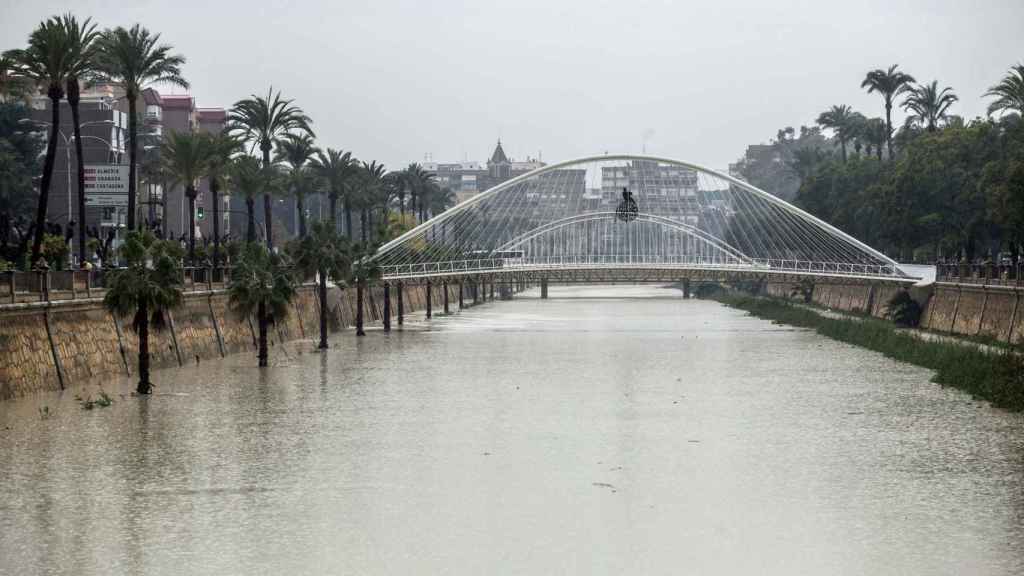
(58, 285)
(985, 273)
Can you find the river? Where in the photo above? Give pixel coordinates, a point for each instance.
(606, 430)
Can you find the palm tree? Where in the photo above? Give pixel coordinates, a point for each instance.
(297, 150)
(1009, 93)
(81, 62)
(372, 190)
(248, 177)
(148, 287)
(134, 58)
(842, 121)
(44, 63)
(363, 271)
(441, 199)
(261, 282)
(890, 84)
(184, 155)
(928, 104)
(418, 179)
(264, 122)
(326, 254)
(876, 134)
(336, 168)
(220, 149)
(13, 86)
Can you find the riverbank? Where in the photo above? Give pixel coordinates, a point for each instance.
(994, 376)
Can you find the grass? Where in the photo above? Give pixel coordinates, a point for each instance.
(995, 376)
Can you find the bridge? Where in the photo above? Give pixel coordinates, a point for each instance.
(629, 218)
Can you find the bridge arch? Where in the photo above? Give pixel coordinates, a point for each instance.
(736, 223)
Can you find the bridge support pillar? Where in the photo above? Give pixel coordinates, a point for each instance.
(387, 307)
(430, 292)
(360, 288)
(492, 289)
(462, 290)
(544, 288)
(686, 288)
(476, 291)
(444, 286)
(401, 304)
(506, 290)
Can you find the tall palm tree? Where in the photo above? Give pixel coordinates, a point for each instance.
(184, 155)
(264, 122)
(876, 134)
(370, 196)
(296, 150)
(336, 168)
(1009, 93)
(417, 180)
(441, 199)
(247, 175)
(928, 104)
(221, 148)
(44, 63)
(261, 282)
(81, 61)
(135, 58)
(326, 254)
(841, 120)
(890, 84)
(146, 289)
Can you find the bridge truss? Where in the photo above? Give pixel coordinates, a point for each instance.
(629, 217)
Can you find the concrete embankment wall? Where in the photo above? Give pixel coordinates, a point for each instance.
(64, 344)
(961, 309)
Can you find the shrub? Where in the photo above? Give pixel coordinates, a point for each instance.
(903, 310)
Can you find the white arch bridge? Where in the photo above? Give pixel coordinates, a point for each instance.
(629, 218)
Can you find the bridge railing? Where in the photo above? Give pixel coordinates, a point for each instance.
(983, 273)
(619, 261)
(53, 285)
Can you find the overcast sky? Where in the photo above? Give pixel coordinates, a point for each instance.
(395, 81)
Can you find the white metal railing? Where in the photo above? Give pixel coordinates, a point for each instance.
(625, 261)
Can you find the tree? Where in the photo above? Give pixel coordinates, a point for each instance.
(20, 152)
(296, 150)
(264, 122)
(146, 289)
(135, 58)
(372, 193)
(1009, 93)
(890, 84)
(262, 284)
(337, 169)
(876, 134)
(842, 120)
(81, 61)
(441, 199)
(326, 254)
(13, 85)
(44, 63)
(248, 177)
(417, 180)
(220, 149)
(184, 155)
(928, 105)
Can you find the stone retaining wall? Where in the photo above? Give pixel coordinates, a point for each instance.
(63, 344)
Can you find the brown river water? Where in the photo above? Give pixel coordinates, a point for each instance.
(607, 430)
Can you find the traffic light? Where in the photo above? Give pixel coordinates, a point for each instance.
(200, 213)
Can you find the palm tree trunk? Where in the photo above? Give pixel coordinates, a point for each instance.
(261, 312)
(301, 207)
(888, 127)
(145, 386)
(73, 99)
(322, 293)
(401, 204)
(842, 145)
(268, 204)
(334, 212)
(359, 308)
(44, 185)
(190, 192)
(362, 225)
(133, 152)
(214, 189)
(250, 211)
(348, 219)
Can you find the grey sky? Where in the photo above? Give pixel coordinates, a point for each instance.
(394, 80)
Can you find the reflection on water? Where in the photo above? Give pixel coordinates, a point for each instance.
(581, 434)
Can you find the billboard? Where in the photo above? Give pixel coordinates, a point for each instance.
(106, 185)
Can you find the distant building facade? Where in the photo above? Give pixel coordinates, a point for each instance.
(467, 179)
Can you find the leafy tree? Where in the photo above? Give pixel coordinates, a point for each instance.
(337, 169)
(261, 284)
(45, 64)
(890, 84)
(326, 254)
(135, 58)
(1008, 93)
(185, 156)
(146, 289)
(296, 150)
(265, 122)
(928, 105)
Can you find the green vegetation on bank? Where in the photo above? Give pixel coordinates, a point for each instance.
(995, 376)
